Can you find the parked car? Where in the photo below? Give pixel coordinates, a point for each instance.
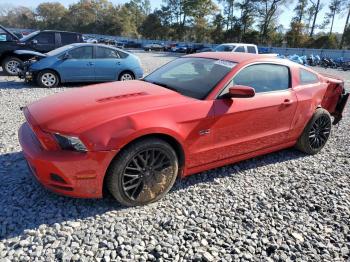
(132, 44)
(40, 41)
(194, 48)
(237, 47)
(180, 48)
(346, 65)
(82, 63)
(153, 47)
(195, 113)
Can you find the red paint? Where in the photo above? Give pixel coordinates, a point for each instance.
(212, 132)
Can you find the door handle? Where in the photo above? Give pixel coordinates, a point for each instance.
(118, 63)
(90, 63)
(287, 102)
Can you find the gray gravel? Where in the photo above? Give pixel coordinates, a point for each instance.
(284, 206)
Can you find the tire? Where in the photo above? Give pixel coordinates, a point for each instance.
(147, 179)
(47, 79)
(316, 133)
(126, 75)
(10, 64)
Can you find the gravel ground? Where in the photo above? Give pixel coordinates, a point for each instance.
(284, 206)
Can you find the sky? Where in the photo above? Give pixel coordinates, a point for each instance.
(284, 17)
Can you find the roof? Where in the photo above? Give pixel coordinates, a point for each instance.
(238, 44)
(234, 57)
(60, 31)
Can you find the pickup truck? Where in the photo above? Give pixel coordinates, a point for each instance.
(40, 41)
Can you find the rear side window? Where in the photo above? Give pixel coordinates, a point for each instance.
(307, 77)
(45, 38)
(106, 53)
(122, 54)
(251, 49)
(240, 49)
(264, 77)
(68, 38)
(84, 52)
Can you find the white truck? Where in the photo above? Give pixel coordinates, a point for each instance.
(237, 47)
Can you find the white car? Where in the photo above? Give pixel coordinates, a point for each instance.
(237, 47)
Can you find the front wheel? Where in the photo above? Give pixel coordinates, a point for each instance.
(11, 65)
(47, 79)
(143, 172)
(316, 133)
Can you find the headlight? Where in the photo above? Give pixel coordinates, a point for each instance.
(70, 143)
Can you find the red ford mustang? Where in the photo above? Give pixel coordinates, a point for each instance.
(195, 113)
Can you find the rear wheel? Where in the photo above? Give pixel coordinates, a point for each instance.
(143, 172)
(316, 133)
(10, 65)
(48, 79)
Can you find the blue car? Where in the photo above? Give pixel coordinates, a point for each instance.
(80, 62)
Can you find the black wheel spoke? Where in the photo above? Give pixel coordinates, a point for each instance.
(319, 132)
(144, 176)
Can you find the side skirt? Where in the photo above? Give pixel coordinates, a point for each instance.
(236, 159)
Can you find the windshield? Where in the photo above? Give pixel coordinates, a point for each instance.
(59, 50)
(25, 38)
(225, 48)
(191, 76)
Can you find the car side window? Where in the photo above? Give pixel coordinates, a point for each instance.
(264, 77)
(240, 49)
(45, 38)
(84, 52)
(306, 77)
(251, 49)
(106, 53)
(68, 38)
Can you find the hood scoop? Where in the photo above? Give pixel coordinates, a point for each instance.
(111, 98)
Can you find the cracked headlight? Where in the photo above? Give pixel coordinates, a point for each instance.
(70, 143)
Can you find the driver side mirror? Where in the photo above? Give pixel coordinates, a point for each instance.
(240, 91)
(66, 56)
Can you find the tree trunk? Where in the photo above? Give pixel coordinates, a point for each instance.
(315, 17)
(330, 31)
(345, 27)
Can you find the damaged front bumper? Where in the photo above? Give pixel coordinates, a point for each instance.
(25, 72)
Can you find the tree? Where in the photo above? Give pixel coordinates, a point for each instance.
(316, 7)
(247, 10)
(151, 26)
(334, 8)
(325, 42)
(49, 15)
(228, 11)
(346, 30)
(295, 36)
(267, 10)
(300, 11)
(218, 28)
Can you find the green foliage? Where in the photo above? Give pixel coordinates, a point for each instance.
(212, 21)
(325, 42)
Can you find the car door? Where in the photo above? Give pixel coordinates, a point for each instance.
(79, 66)
(108, 64)
(43, 42)
(244, 125)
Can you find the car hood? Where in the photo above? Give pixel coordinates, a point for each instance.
(9, 32)
(75, 111)
(29, 52)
